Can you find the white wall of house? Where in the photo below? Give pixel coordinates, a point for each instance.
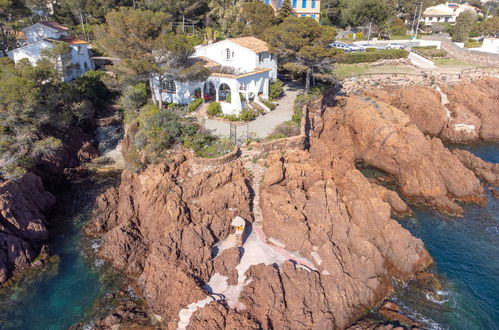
(230, 54)
(490, 45)
(32, 52)
(268, 61)
(80, 57)
(184, 92)
(37, 32)
(255, 85)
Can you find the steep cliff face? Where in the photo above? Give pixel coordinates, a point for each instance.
(319, 252)
(77, 148)
(23, 230)
(160, 225)
(459, 113)
(364, 129)
(337, 219)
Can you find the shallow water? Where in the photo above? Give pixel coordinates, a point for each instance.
(66, 293)
(466, 251)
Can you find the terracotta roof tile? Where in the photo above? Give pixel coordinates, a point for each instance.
(207, 62)
(55, 25)
(252, 43)
(68, 40)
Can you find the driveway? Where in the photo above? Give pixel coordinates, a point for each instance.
(263, 125)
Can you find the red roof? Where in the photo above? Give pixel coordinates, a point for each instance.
(68, 40)
(55, 25)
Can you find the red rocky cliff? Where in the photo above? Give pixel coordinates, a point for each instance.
(23, 231)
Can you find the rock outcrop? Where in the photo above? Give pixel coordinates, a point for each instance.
(367, 130)
(488, 172)
(481, 99)
(77, 148)
(23, 230)
(160, 227)
(458, 113)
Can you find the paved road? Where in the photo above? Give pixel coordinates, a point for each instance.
(263, 125)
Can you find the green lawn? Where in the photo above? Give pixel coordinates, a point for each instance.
(343, 71)
(451, 62)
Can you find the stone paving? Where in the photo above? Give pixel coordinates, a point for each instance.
(263, 125)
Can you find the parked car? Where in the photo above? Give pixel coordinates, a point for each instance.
(393, 45)
(342, 46)
(357, 48)
(378, 47)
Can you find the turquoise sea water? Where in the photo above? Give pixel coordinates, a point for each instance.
(67, 293)
(466, 251)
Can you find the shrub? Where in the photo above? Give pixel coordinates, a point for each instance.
(214, 109)
(472, 43)
(216, 149)
(288, 128)
(133, 98)
(432, 52)
(371, 49)
(275, 136)
(425, 47)
(247, 115)
(276, 90)
(351, 58)
(198, 141)
(232, 117)
(194, 105)
(90, 85)
(268, 104)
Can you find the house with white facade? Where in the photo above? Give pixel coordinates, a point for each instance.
(45, 35)
(446, 13)
(242, 70)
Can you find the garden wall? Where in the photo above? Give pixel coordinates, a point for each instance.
(464, 54)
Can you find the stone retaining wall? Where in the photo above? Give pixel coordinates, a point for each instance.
(299, 142)
(466, 54)
(225, 159)
(428, 79)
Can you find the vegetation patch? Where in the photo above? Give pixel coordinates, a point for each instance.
(194, 105)
(214, 109)
(371, 56)
(431, 51)
(276, 90)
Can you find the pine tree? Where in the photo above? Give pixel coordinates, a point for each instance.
(285, 11)
(464, 24)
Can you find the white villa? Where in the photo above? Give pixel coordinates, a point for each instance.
(43, 35)
(242, 70)
(446, 13)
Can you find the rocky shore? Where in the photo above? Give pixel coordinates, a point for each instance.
(25, 202)
(328, 249)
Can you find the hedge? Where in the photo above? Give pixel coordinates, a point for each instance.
(194, 105)
(425, 47)
(431, 52)
(214, 109)
(361, 57)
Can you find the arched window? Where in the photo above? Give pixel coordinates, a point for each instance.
(210, 91)
(224, 93)
(168, 85)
